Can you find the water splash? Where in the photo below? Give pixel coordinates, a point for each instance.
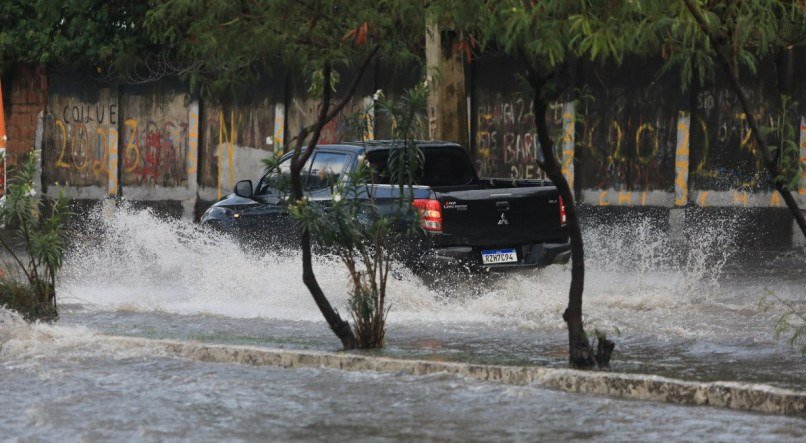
(638, 278)
(26, 345)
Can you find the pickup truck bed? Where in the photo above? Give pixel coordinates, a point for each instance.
(487, 223)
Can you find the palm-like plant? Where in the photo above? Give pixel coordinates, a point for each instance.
(36, 244)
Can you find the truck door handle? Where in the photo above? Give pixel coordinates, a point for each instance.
(502, 206)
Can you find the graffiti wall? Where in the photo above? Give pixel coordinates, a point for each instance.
(630, 138)
(724, 151)
(623, 147)
(155, 138)
(502, 121)
(350, 124)
(234, 141)
(633, 137)
(627, 129)
(354, 122)
(156, 142)
(80, 136)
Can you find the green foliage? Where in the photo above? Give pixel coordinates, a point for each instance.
(23, 298)
(791, 318)
(409, 121)
(745, 31)
(548, 34)
(39, 229)
(103, 37)
(365, 240)
(221, 46)
(782, 137)
(352, 227)
(226, 45)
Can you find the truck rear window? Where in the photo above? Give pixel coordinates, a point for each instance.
(442, 167)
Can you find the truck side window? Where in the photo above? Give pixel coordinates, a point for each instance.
(277, 181)
(326, 170)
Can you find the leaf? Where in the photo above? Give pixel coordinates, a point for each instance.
(358, 34)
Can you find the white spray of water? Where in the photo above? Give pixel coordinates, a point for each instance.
(635, 279)
(27, 345)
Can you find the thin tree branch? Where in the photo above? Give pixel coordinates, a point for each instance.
(15, 257)
(354, 85)
(732, 72)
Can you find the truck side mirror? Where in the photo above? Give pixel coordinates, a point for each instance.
(244, 189)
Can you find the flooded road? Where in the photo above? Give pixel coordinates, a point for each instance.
(64, 384)
(687, 311)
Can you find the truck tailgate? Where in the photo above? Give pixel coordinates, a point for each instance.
(501, 216)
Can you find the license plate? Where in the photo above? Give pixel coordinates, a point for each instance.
(498, 256)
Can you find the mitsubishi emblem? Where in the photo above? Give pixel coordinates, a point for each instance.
(503, 220)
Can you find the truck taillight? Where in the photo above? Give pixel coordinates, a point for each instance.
(430, 214)
(563, 217)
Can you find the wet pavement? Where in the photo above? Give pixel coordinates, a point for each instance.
(66, 384)
(687, 312)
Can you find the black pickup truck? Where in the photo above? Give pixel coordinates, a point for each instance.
(477, 223)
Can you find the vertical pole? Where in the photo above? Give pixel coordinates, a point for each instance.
(192, 160)
(677, 215)
(279, 128)
(447, 99)
(121, 143)
(798, 239)
(802, 181)
(681, 160)
(569, 121)
(369, 119)
(112, 160)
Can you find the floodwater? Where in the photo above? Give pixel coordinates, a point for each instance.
(685, 310)
(64, 384)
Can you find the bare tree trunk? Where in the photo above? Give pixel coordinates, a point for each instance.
(339, 327)
(719, 42)
(580, 354)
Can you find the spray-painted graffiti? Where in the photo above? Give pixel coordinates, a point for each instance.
(238, 135)
(154, 140)
(723, 148)
(622, 146)
(154, 152)
(82, 145)
(78, 138)
(506, 139)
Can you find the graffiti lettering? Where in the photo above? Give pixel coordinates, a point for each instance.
(506, 141)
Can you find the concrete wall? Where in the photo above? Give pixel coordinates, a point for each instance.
(157, 145)
(635, 140)
(23, 101)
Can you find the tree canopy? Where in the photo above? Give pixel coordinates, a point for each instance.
(103, 37)
(219, 45)
(223, 43)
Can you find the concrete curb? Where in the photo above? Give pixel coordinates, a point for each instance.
(731, 395)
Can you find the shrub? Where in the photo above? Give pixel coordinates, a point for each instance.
(365, 240)
(35, 240)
